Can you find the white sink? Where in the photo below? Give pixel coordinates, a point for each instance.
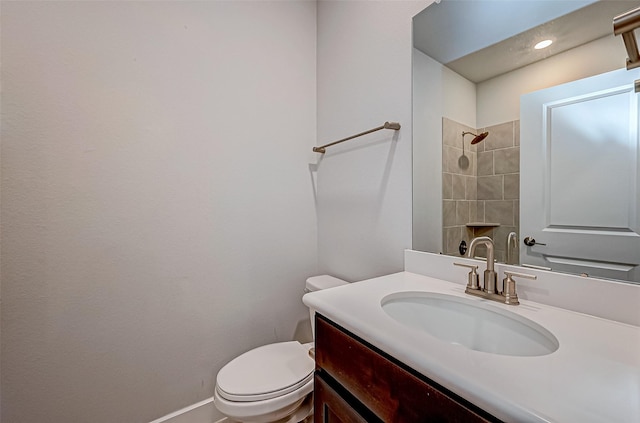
(470, 323)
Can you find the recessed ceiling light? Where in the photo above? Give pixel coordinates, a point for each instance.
(543, 44)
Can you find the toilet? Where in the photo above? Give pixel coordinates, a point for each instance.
(272, 383)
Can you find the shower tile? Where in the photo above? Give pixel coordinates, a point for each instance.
(473, 211)
(500, 211)
(446, 239)
(481, 251)
(483, 232)
(450, 159)
(462, 212)
(500, 136)
(465, 164)
(490, 188)
(447, 187)
(512, 186)
(452, 238)
(468, 235)
(451, 133)
(499, 255)
(474, 164)
(480, 185)
(507, 160)
(480, 211)
(449, 213)
(471, 188)
(459, 187)
(485, 163)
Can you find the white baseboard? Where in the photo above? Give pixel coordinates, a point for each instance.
(200, 412)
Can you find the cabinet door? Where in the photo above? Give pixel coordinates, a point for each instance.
(386, 390)
(330, 407)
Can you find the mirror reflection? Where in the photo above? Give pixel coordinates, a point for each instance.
(535, 147)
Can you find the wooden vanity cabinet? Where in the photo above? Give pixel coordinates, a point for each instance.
(355, 382)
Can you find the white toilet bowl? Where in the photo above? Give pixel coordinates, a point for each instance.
(272, 383)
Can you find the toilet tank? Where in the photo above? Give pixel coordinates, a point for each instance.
(316, 283)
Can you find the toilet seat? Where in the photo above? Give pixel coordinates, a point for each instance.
(266, 372)
(294, 403)
(273, 383)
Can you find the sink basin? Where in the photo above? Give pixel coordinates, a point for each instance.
(471, 324)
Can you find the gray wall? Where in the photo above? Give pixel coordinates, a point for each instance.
(158, 212)
(364, 186)
(161, 206)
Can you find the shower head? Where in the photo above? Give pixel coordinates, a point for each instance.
(478, 137)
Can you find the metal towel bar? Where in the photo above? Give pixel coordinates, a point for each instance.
(624, 25)
(387, 125)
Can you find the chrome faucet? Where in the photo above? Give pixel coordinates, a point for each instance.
(490, 278)
(489, 290)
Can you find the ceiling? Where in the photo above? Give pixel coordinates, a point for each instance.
(488, 29)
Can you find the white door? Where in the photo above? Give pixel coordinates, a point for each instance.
(579, 181)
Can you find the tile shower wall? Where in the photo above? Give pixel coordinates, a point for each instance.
(459, 185)
(481, 185)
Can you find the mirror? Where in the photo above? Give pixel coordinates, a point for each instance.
(473, 64)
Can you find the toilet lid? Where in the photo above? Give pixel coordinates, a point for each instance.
(266, 372)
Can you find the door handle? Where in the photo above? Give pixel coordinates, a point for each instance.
(530, 242)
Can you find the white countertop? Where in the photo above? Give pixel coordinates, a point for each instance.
(594, 376)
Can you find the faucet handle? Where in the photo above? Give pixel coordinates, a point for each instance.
(521, 275)
(472, 282)
(509, 286)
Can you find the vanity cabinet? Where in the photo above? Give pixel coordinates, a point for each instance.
(355, 382)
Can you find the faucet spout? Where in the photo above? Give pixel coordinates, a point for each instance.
(490, 277)
(488, 242)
